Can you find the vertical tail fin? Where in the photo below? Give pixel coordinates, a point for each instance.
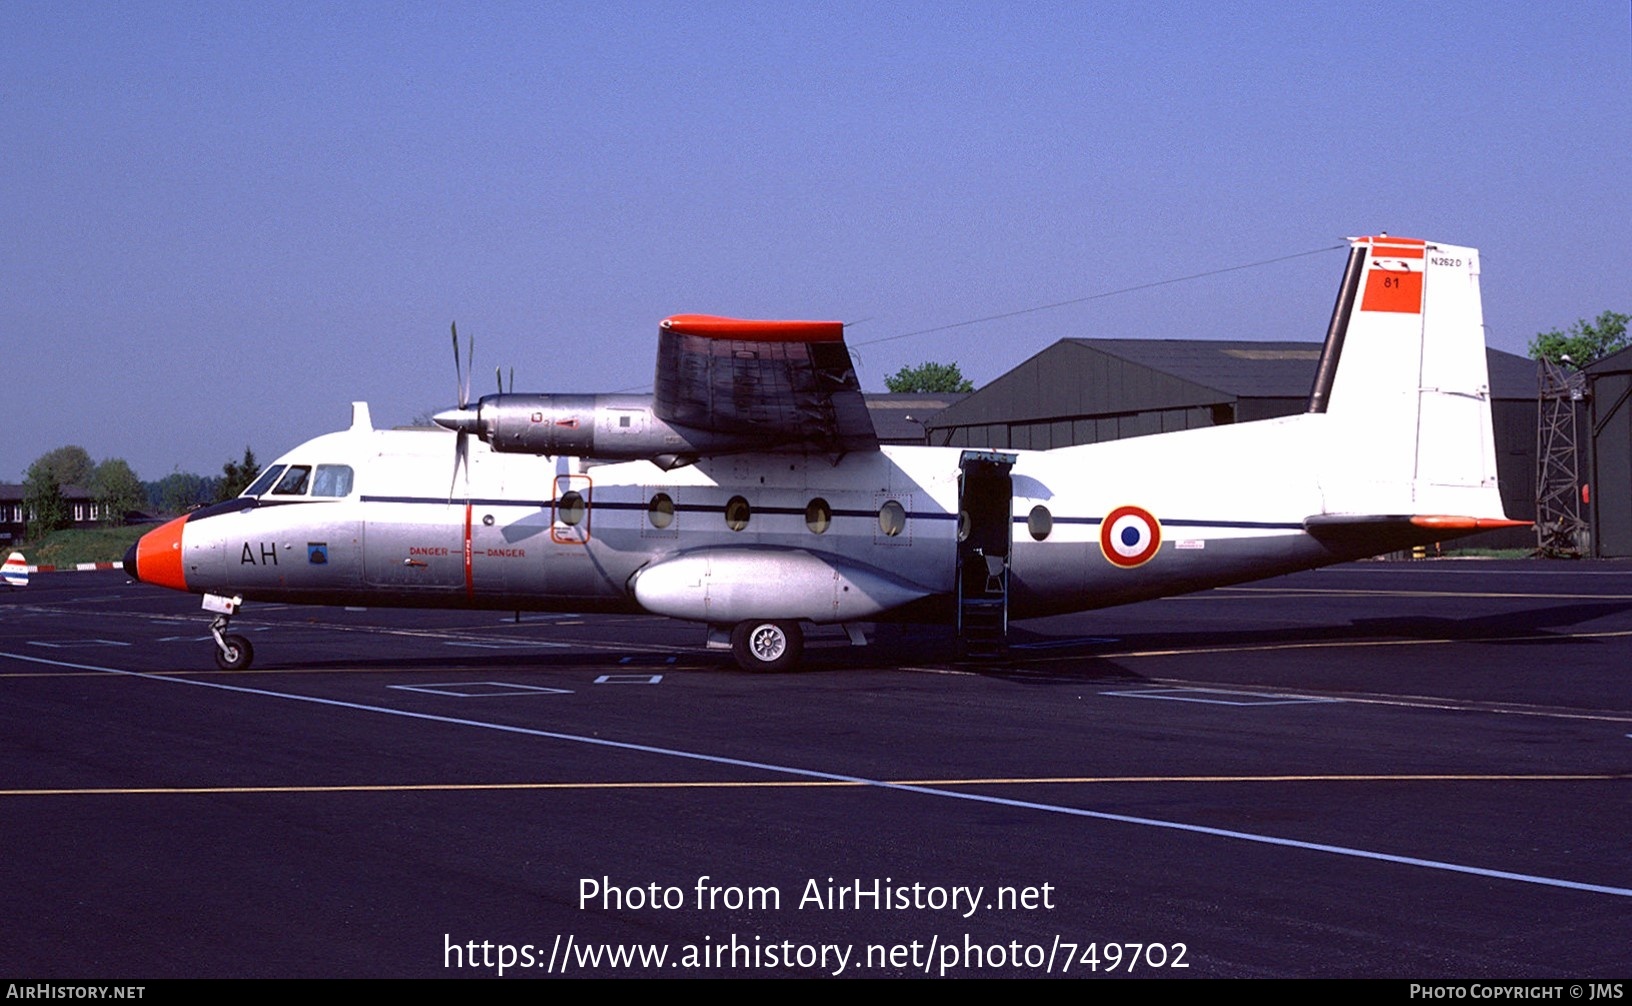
(1404, 381)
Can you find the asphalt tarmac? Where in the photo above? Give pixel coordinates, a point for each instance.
(1378, 770)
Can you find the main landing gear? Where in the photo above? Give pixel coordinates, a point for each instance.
(232, 651)
(767, 645)
(770, 644)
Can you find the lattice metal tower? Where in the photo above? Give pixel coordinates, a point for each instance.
(1561, 531)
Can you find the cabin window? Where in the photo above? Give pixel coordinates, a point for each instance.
(660, 511)
(736, 513)
(1040, 522)
(892, 518)
(263, 483)
(332, 480)
(570, 509)
(294, 481)
(818, 516)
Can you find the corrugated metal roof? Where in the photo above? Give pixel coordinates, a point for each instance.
(1237, 368)
(1082, 377)
(14, 492)
(1277, 369)
(1615, 363)
(891, 412)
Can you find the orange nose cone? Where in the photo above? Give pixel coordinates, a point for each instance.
(158, 556)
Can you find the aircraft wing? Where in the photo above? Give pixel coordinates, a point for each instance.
(779, 383)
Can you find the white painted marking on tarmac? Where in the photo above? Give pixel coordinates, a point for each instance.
(948, 794)
(481, 689)
(504, 644)
(1475, 566)
(629, 679)
(72, 643)
(1216, 697)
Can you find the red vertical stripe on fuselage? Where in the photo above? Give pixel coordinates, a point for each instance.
(470, 583)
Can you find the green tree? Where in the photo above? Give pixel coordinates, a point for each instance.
(43, 504)
(235, 478)
(67, 466)
(117, 491)
(180, 491)
(1584, 341)
(944, 378)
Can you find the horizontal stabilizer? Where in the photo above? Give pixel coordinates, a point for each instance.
(1369, 534)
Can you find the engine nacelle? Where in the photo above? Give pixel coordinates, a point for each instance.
(610, 427)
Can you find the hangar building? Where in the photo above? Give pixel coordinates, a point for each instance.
(1609, 452)
(1083, 391)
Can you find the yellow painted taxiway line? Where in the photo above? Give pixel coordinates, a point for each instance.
(804, 784)
(1322, 644)
(1375, 592)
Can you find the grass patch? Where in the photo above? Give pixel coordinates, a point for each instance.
(1489, 553)
(66, 548)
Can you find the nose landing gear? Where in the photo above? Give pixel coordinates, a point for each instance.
(233, 652)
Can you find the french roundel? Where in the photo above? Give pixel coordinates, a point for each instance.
(1129, 536)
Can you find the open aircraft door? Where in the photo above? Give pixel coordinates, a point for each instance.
(985, 526)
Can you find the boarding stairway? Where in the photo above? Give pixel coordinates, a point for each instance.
(983, 607)
(985, 527)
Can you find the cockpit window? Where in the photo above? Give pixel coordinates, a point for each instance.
(263, 483)
(332, 480)
(294, 481)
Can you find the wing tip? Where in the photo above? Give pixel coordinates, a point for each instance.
(713, 326)
(1449, 522)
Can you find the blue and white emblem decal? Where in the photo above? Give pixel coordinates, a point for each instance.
(1129, 536)
(15, 570)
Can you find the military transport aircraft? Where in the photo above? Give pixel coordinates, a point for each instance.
(750, 494)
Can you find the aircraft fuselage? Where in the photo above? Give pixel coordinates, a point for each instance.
(537, 534)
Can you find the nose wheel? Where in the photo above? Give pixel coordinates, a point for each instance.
(232, 651)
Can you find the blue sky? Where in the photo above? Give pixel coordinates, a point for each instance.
(224, 222)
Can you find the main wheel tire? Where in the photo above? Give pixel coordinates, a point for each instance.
(767, 646)
(237, 656)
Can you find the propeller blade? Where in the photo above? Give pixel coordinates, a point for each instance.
(459, 420)
(458, 379)
(498, 375)
(461, 459)
(470, 369)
